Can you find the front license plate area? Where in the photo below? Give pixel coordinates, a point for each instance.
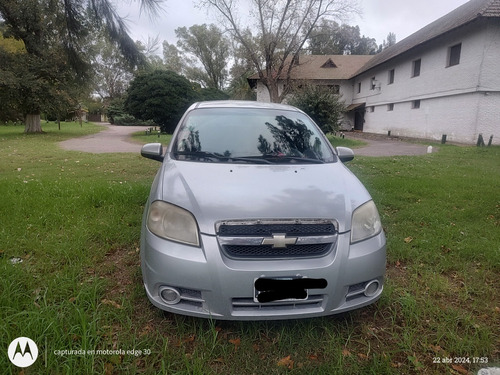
(285, 288)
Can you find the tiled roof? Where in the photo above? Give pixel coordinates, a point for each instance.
(468, 12)
(331, 67)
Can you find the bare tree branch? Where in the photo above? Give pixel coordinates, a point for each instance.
(281, 31)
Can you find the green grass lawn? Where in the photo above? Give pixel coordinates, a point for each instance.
(141, 137)
(70, 276)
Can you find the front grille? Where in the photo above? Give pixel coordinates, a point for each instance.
(266, 251)
(268, 229)
(244, 239)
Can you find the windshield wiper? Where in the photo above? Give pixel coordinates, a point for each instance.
(305, 160)
(213, 155)
(199, 154)
(250, 159)
(299, 159)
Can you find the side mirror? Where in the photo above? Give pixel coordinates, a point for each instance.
(345, 154)
(153, 151)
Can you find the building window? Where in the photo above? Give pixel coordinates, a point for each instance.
(390, 107)
(415, 69)
(372, 108)
(359, 87)
(372, 83)
(415, 104)
(454, 54)
(391, 77)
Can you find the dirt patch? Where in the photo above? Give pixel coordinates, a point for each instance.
(382, 145)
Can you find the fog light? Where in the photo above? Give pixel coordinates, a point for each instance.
(371, 288)
(170, 295)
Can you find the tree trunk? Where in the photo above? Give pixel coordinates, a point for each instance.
(273, 89)
(32, 124)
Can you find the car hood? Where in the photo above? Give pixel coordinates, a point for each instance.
(218, 191)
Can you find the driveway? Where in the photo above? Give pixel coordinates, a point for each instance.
(112, 139)
(117, 139)
(380, 145)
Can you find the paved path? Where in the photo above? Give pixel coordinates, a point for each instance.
(379, 145)
(112, 139)
(117, 139)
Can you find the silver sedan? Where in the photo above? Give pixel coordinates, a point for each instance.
(253, 216)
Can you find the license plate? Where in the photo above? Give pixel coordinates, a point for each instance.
(285, 288)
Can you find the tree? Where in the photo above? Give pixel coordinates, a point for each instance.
(112, 72)
(11, 51)
(211, 48)
(241, 69)
(282, 28)
(391, 40)
(321, 103)
(30, 84)
(330, 38)
(172, 58)
(162, 96)
(55, 34)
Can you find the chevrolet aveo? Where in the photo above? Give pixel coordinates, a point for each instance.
(253, 215)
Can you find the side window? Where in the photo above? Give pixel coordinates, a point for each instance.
(454, 54)
(391, 77)
(415, 68)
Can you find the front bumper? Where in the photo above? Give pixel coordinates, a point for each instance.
(211, 285)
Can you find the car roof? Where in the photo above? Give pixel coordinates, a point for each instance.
(243, 104)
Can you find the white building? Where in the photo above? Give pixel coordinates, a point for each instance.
(442, 80)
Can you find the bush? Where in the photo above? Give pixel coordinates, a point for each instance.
(128, 120)
(321, 103)
(116, 110)
(161, 96)
(212, 94)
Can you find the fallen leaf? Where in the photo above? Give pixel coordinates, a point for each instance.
(436, 348)
(362, 356)
(236, 343)
(189, 339)
(286, 362)
(111, 303)
(460, 369)
(346, 352)
(313, 357)
(408, 239)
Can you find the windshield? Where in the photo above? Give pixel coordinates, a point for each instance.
(247, 135)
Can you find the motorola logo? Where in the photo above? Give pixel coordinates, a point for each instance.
(23, 352)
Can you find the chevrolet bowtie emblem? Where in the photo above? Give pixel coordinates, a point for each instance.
(279, 240)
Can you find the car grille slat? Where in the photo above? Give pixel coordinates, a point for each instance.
(269, 251)
(244, 239)
(269, 229)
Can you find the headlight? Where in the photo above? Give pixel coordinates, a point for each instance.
(365, 222)
(173, 223)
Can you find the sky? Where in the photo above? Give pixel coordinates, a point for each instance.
(378, 19)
